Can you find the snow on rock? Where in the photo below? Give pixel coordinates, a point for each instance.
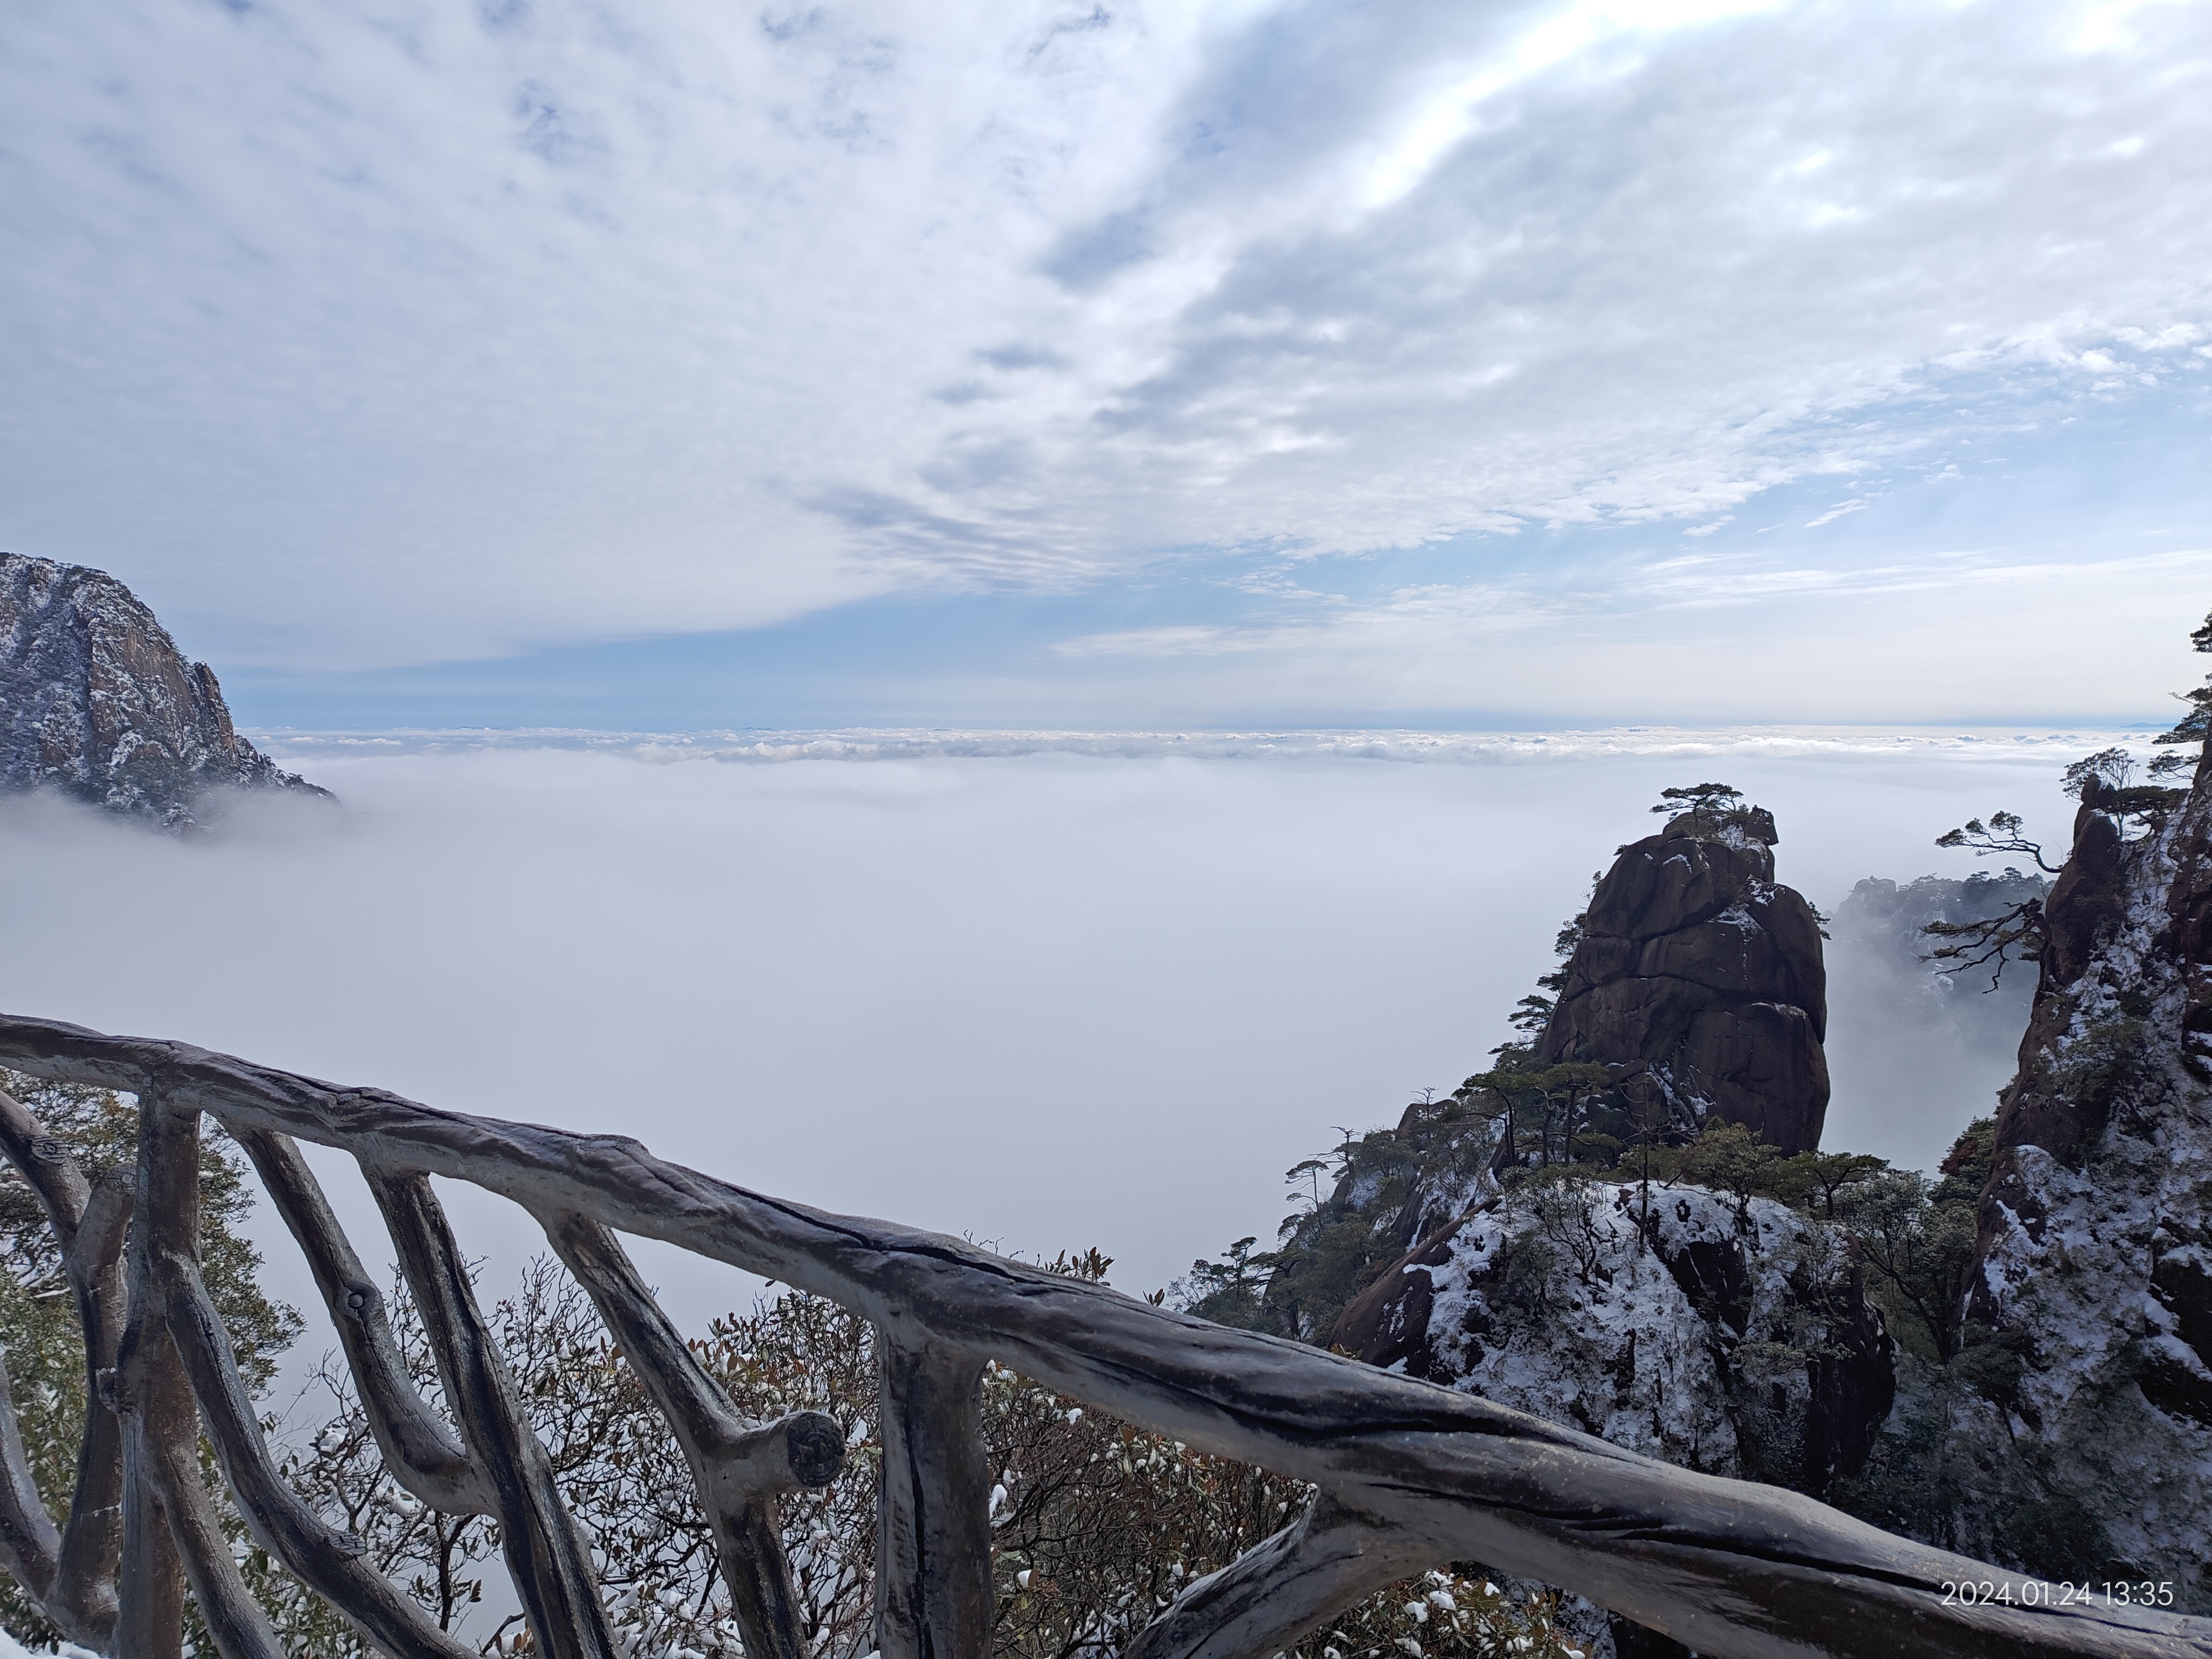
(1733, 1338)
(96, 700)
(1725, 1334)
(11, 1649)
(2095, 1250)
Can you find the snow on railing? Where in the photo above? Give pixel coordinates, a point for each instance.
(1408, 1475)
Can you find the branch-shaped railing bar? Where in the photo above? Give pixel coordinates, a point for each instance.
(326, 1560)
(546, 1555)
(1296, 1581)
(739, 1471)
(150, 1368)
(423, 1453)
(153, 1397)
(1410, 1475)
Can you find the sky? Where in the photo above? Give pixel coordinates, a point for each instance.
(988, 555)
(675, 366)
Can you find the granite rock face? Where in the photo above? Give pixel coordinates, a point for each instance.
(1724, 1333)
(1732, 1338)
(97, 702)
(1702, 980)
(1736, 1339)
(2094, 1259)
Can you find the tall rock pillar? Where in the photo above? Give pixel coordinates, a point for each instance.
(1702, 980)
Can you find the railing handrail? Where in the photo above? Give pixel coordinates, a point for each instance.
(1409, 1470)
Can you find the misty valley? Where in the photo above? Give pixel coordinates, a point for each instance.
(1642, 1216)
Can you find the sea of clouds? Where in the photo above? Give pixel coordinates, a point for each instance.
(1049, 991)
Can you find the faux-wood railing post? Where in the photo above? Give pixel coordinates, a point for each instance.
(150, 1580)
(161, 1421)
(737, 1471)
(933, 1595)
(546, 1556)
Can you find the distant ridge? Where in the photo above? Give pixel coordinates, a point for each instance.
(97, 702)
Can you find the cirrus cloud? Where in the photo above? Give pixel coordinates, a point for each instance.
(369, 338)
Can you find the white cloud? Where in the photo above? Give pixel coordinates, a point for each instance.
(1444, 118)
(369, 338)
(1701, 637)
(1055, 994)
(1856, 504)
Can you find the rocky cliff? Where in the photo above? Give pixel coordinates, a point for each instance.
(2011, 1357)
(1724, 1333)
(97, 702)
(1505, 1240)
(2092, 1288)
(1700, 981)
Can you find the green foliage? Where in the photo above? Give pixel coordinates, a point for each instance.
(1705, 799)
(1990, 1362)
(1713, 808)
(2197, 725)
(1343, 1230)
(1917, 1239)
(102, 1133)
(2148, 805)
(1811, 1181)
(2107, 1054)
(1965, 1168)
(1531, 1014)
(1915, 1236)
(1563, 1201)
(2017, 934)
(2111, 767)
(2000, 835)
(1729, 1158)
(1229, 1291)
(1543, 1107)
(1940, 1471)
(1520, 1282)
(1564, 944)
(2122, 797)
(2192, 726)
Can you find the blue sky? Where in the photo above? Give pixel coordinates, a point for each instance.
(676, 365)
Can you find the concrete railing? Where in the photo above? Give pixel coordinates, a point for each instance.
(1409, 1476)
